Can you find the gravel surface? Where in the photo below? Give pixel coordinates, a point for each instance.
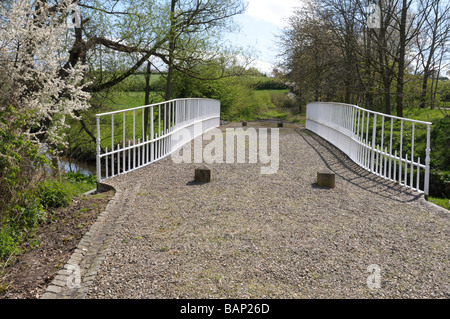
(249, 235)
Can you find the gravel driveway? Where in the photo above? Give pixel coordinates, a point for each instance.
(249, 235)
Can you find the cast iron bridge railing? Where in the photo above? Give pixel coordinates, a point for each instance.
(140, 136)
(382, 144)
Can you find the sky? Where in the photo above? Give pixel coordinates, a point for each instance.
(260, 26)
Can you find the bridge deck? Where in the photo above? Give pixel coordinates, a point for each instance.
(248, 235)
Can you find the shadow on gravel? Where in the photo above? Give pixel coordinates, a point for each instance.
(359, 176)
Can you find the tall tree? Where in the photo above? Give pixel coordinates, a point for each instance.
(31, 53)
(120, 38)
(434, 35)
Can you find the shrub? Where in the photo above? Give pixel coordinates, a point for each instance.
(79, 177)
(53, 195)
(9, 245)
(21, 218)
(440, 158)
(270, 84)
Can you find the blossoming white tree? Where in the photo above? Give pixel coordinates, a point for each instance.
(33, 76)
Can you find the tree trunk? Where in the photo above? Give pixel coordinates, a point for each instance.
(423, 93)
(401, 59)
(147, 98)
(172, 44)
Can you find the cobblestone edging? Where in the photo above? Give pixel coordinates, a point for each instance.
(75, 278)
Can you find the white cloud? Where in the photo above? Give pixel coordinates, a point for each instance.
(262, 66)
(273, 11)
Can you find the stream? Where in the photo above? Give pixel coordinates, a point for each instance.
(67, 164)
(71, 165)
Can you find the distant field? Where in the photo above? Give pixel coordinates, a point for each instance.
(281, 107)
(125, 100)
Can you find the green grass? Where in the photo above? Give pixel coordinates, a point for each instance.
(443, 202)
(125, 100)
(114, 102)
(136, 83)
(279, 107)
(77, 183)
(19, 223)
(425, 114)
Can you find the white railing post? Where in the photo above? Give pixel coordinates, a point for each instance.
(427, 162)
(98, 150)
(374, 132)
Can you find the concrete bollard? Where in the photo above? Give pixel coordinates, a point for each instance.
(326, 178)
(203, 174)
(280, 124)
(244, 123)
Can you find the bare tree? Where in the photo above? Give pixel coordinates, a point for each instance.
(432, 40)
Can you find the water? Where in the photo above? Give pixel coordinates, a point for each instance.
(67, 165)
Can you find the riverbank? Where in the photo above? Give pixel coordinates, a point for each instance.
(27, 275)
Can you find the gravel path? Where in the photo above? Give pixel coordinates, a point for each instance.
(248, 235)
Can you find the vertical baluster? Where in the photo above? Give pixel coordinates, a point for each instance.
(98, 150)
(363, 153)
(427, 163)
(176, 117)
(395, 166)
(143, 124)
(390, 147)
(367, 139)
(157, 147)
(143, 147)
(362, 125)
(406, 169)
(124, 145)
(401, 149)
(129, 155)
(151, 135)
(139, 152)
(418, 174)
(155, 154)
(353, 135)
(134, 138)
(360, 153)
(374, 132)
(107, 164)
(362, 138)
(118, 158)
(412, 156)
(366, 154)
(385, 161)
(376, 161)
(159, 120)
(165, 119)
(382, 143)
(147, 145)
(112, 144)
(381, 167)
(358, 121)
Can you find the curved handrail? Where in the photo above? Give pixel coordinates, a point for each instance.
(145, 134)
(356, 132)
